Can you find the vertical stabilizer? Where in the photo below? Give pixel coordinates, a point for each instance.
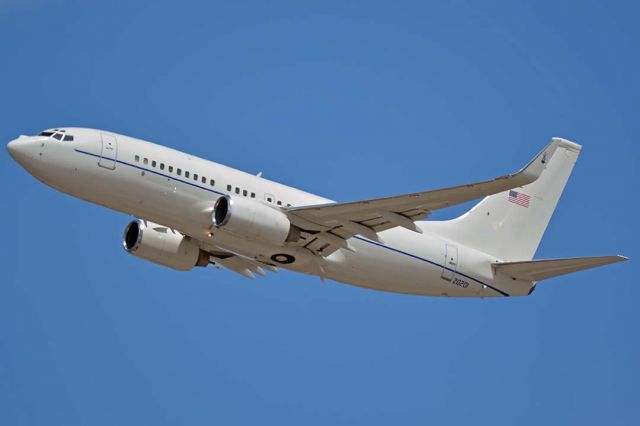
(510, 224)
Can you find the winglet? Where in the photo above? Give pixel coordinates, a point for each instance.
(535, 167)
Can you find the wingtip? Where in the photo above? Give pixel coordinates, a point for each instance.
(536, 166)
(565, 143)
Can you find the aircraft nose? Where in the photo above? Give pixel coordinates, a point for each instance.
(12, 147)
(19, 149)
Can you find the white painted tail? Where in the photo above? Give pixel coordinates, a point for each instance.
(509, 225)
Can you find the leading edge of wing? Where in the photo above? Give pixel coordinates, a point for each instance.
(445, 197)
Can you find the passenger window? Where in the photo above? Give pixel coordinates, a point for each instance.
(279, 202)
(228, 187)
(146, 161)
(204, 179)
(237, 190)
(269, 199)
(170, 169)
(186, 174)
(212, 182)
(195, 177)
(153, 163)
(137, 158)
(244, 192)
(161, 166)
(179, 172)
(68, 138)
(253, 195)
(58, 136)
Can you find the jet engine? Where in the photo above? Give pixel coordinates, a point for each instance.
(163, 246)
(253, 221)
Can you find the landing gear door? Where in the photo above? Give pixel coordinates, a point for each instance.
(109, 152)
(450, 262)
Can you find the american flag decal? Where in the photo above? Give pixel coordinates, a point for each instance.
(519, 198)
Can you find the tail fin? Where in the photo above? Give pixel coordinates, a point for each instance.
(510, 224)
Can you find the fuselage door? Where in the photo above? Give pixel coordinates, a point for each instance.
(450, 262)
(109, 152)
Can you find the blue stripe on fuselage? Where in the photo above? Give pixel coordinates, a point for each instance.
(151, 171)
(429, 261)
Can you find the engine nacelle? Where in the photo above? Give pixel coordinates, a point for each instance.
(253, 221)
(163, 246)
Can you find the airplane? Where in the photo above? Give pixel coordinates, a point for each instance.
(190, 212)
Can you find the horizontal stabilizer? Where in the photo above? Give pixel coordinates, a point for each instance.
(537, 270)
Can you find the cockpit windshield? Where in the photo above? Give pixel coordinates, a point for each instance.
(59, 134)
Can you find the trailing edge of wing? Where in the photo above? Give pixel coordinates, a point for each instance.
(243, 265)
(537, 270)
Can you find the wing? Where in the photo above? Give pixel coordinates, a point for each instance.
(327, 227)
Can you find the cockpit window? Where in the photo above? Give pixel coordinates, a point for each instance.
(59, 134)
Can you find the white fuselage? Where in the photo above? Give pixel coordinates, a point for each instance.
(143, 181)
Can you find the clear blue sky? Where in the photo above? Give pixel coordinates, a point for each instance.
(348, 102)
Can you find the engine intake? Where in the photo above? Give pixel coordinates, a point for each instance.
(221, 211)
(162, 245)
(253, 221)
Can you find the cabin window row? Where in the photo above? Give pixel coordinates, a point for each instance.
(203, 179)
(239, 191)
(178, 171)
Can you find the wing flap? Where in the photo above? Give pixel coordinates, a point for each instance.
(243, 265)
(537, 270)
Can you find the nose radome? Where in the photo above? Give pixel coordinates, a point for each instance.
(19, 149)
(12, 147)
